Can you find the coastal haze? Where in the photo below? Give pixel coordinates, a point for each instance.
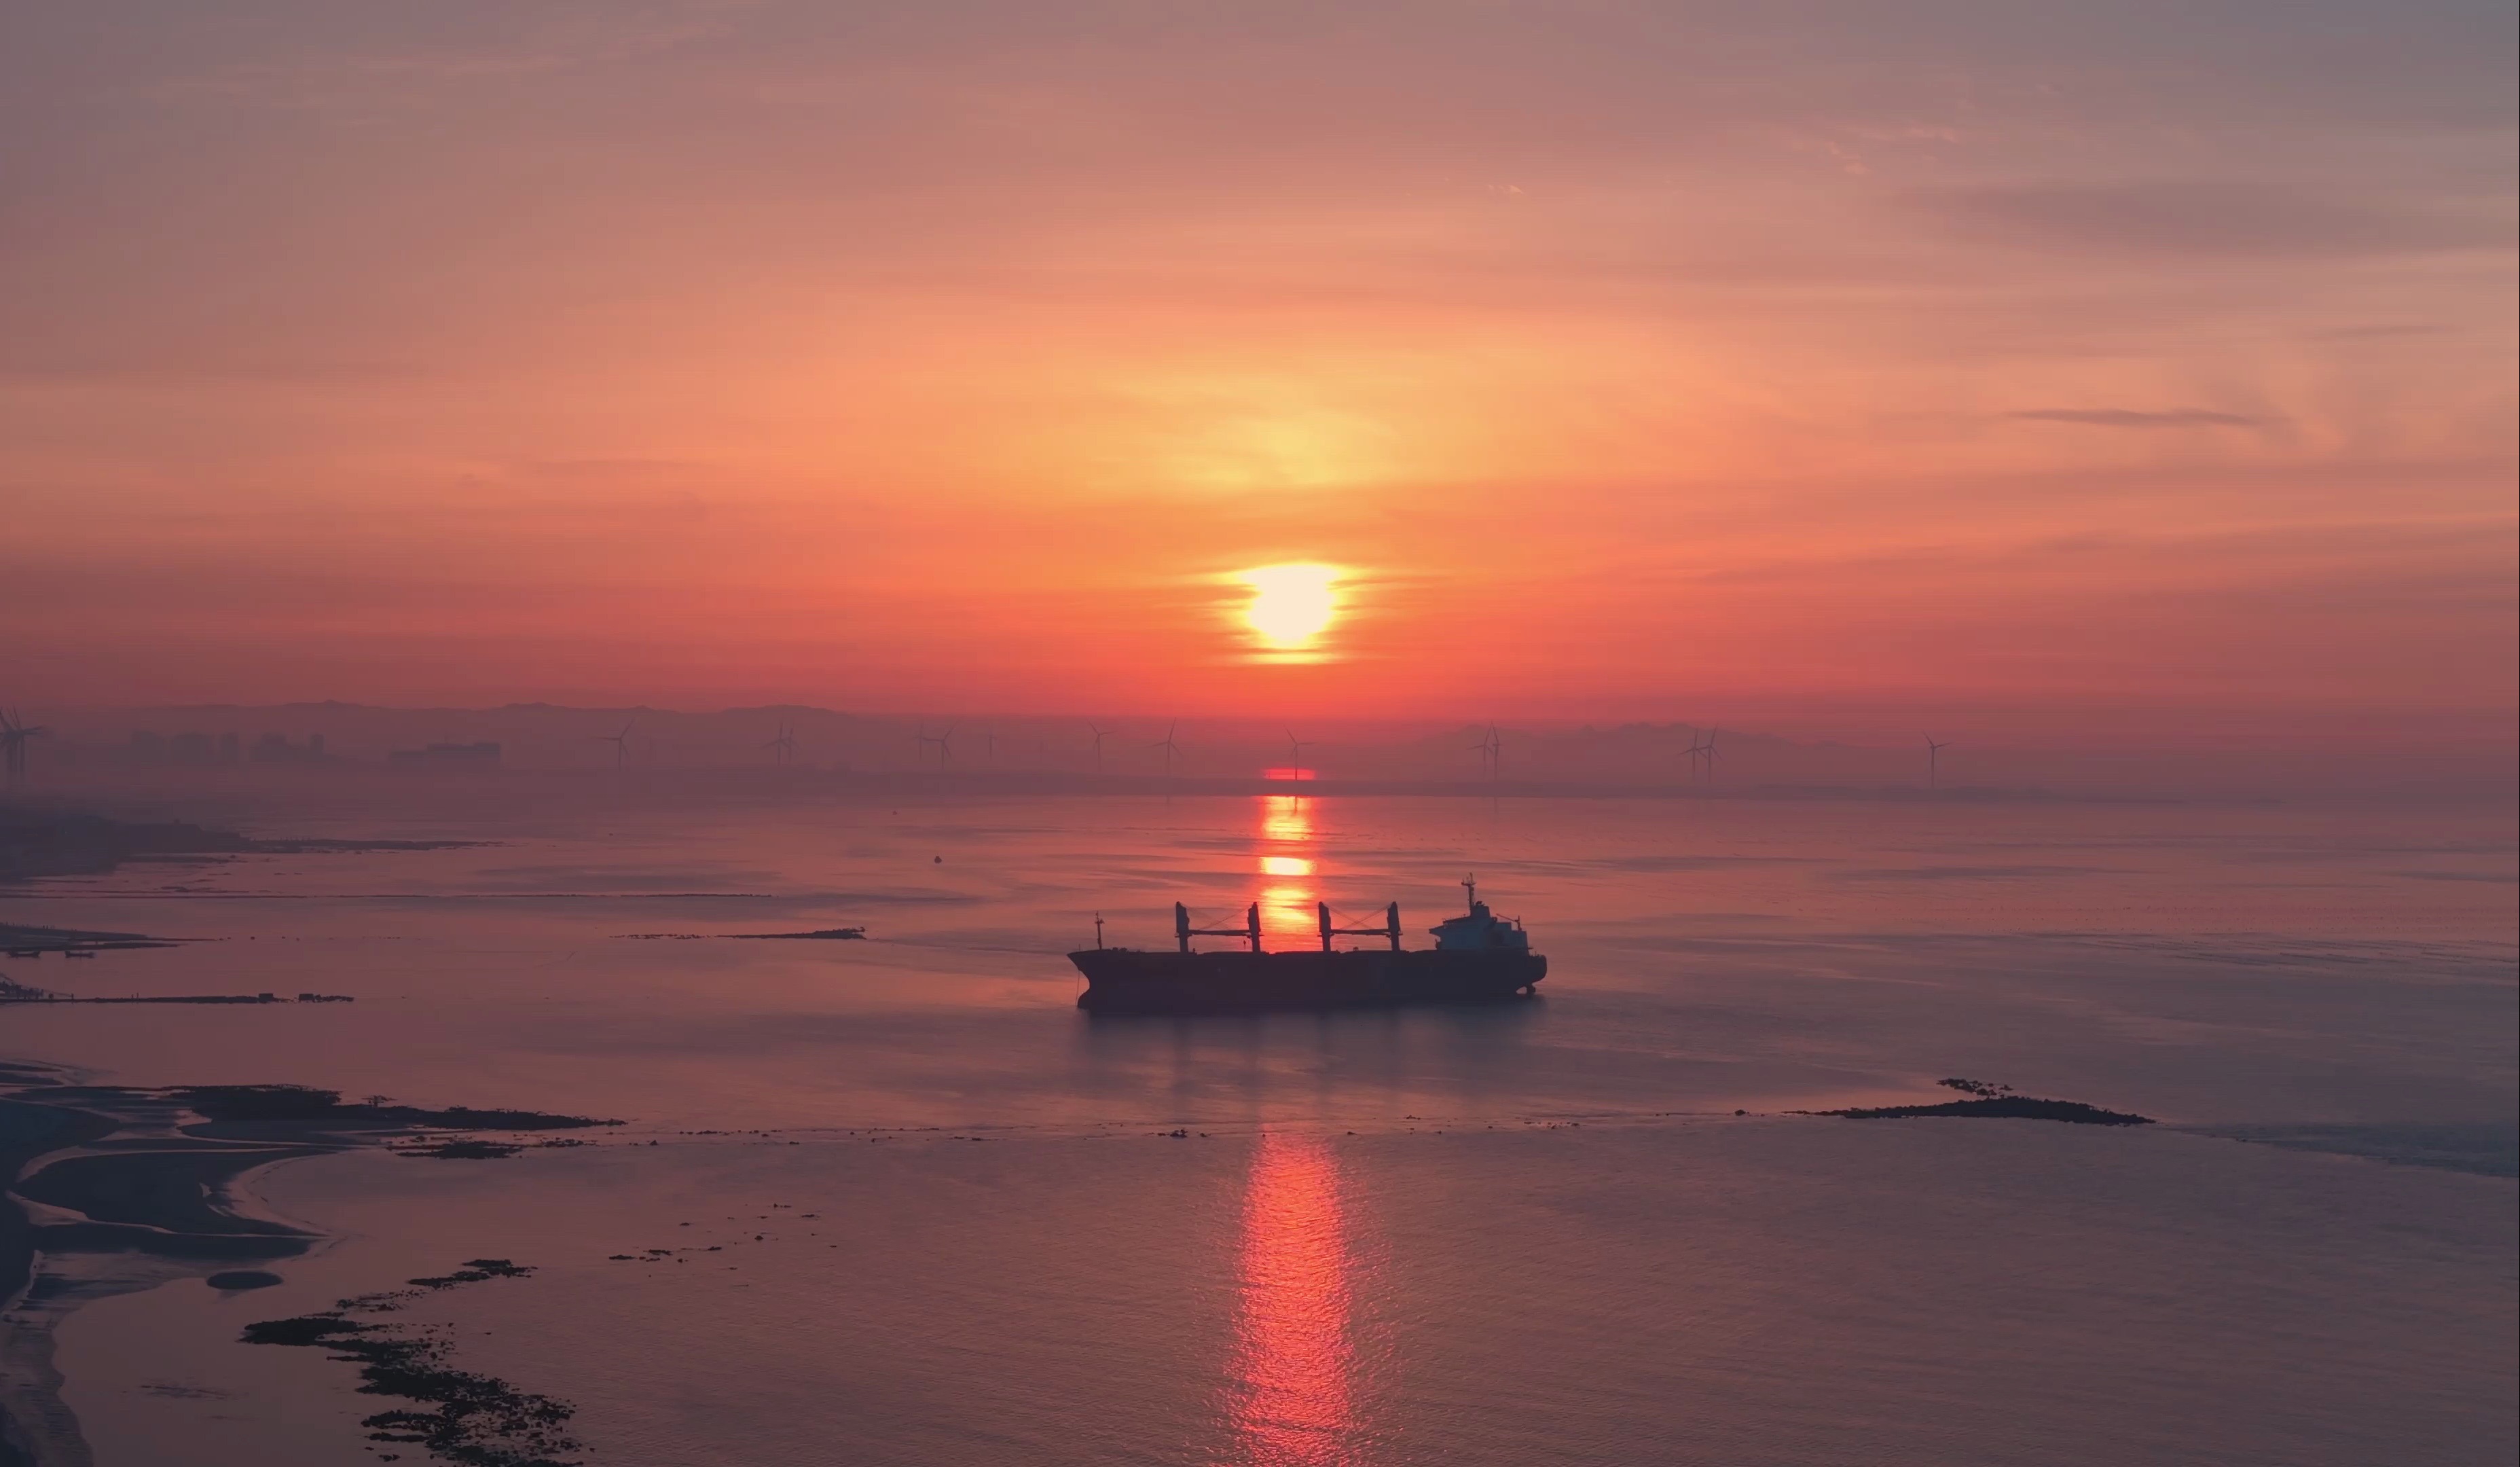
(209, 753)
(600, 597)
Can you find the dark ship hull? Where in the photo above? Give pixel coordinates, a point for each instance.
(1128, 980)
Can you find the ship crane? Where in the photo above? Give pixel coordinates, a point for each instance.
(1390, 927)
(1182, 930)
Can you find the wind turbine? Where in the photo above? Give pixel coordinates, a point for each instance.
(944, 743)
(1697, 750)
(1707, 751)
(1295, 751)
(621, 742)
(1099, 734)
(783, 747)
(1933, 761)
(14, 735)
(1496, 754)
(1169, 748)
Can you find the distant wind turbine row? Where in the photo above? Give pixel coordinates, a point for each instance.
(1702, 753)
(1169, 745)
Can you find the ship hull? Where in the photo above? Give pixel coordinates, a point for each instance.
(1126, 981)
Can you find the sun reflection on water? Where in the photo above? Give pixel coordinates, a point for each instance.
(1294, 1397)
(1287, 915)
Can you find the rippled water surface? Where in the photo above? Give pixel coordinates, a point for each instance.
(1537, 1233)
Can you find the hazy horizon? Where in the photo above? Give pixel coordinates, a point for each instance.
(131, 752)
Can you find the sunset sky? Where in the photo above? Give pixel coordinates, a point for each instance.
(2027, 363)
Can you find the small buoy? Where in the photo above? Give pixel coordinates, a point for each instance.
(940, 861)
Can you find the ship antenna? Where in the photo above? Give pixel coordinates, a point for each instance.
(1098, 930)
(1472, 887)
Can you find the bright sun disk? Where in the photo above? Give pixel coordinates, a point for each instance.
(1290, 605)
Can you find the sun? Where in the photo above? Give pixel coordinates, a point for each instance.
(1290, 605)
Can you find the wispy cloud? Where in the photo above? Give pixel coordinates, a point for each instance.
(2119, 417)
(2382, 332)
(2201, 217)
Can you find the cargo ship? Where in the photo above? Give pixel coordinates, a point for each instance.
(1478, 958)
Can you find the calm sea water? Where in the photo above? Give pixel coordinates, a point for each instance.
(1535, 1234)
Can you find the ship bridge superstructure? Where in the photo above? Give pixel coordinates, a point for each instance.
(1479, 930)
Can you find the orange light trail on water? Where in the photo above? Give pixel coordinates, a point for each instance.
(1293, 1400)
(1289, 858)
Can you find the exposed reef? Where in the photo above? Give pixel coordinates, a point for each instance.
(18, 940)
(352, 848)
(477, 1420)
(827, 935)
(13, 991)
(2012, 1107)
(1996, 1102)
(306, 1104)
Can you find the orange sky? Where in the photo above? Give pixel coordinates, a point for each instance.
(1790, 362)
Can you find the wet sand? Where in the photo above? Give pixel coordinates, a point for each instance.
(110, 1194)
(115, 1189)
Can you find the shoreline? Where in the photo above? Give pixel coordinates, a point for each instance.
(34, 1422)
(108, 1194)
(112, 1189)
